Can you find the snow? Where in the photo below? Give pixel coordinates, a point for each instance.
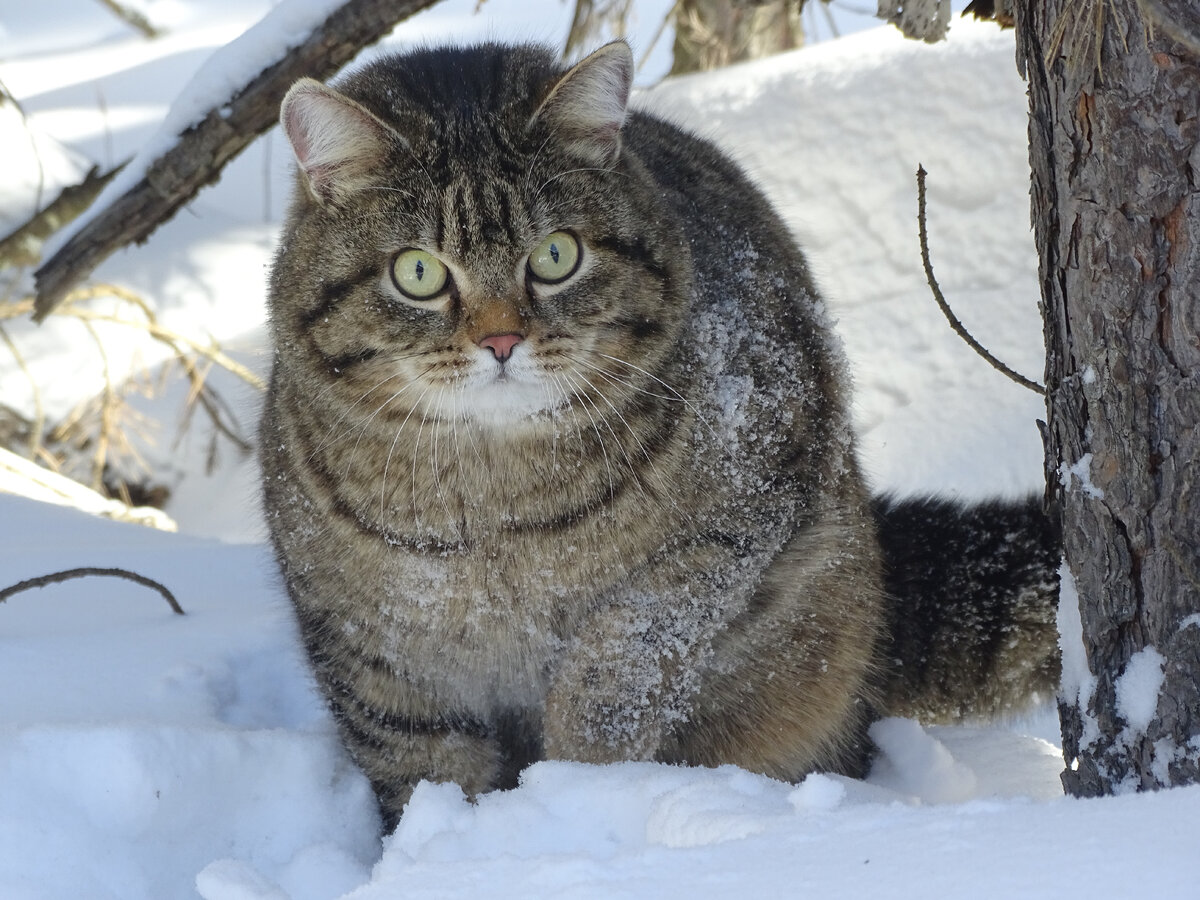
(1075, 673)
(1138, 687)
(1078, 476)
(149, 755)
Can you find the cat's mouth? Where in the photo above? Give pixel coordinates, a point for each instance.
(501, 392)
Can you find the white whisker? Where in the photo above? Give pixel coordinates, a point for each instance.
(700, 417)
(388, 461)
(583, 401)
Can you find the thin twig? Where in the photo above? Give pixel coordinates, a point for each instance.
(39, 409)
(110, 435)
(662, 27)
(958, 326)
(158, 332)
(132, 18)
(1157, 16)
(108, 404)
(6, 96)
(88, 571)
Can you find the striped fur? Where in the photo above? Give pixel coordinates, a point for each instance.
(644, 534)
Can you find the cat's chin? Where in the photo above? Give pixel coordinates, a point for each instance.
(505, 403)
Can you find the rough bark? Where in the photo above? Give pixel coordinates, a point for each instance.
(202, 151)
(1115, 154)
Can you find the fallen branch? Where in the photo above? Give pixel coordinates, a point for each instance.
(204, 149)
(88, 572)
(958, 326)
(25, 478)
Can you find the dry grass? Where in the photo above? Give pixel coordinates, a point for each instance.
(102, 430)
(1078, 33)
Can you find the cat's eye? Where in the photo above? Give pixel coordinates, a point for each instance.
(418, 275)
(556, 258)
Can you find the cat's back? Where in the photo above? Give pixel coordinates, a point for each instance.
(755, 311)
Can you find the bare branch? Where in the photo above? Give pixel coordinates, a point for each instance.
(201, 152)
(23, 247)
(589, 21)
(87, 572)
(958, 326)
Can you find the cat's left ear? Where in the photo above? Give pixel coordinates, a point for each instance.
(586, 107)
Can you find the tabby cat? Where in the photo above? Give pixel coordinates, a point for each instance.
(557, 453)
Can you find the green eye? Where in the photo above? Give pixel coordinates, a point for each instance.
(418, 275)
(555, 259)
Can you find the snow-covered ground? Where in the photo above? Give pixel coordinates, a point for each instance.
(149, 755)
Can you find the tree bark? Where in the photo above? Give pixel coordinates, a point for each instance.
(1115, 155)
(202, 151)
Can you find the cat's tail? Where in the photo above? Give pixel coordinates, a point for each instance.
(973, 595)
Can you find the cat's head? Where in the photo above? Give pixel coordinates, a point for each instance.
(471, 239)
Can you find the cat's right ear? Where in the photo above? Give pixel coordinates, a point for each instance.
(338, 143)
(586, 107)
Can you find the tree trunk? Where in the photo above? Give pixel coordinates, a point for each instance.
(714, 33)
(1114, 131)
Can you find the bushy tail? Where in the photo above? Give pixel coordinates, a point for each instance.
(972, 611)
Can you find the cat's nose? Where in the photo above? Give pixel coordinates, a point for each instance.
(501, 345)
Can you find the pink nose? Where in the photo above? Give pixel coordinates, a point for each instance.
(501, 345)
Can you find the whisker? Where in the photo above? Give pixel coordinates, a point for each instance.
(416, 452)
(614, 378)
(633, 434)
(633, 470)
(557, 381)
(437, 477)
(395, 395)
(420, 165)
(612, 487)
(533, 161)
(361, 425)
(388, 460)
(678, 396)
(471, 429)
(456, 396)
(330, 437)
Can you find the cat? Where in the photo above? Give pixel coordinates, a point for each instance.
(557, 456)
